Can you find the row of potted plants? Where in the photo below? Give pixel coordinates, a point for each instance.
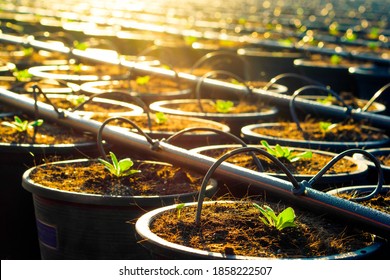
(62, 224)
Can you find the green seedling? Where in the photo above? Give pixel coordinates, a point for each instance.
(286, 42)
(22, 75)
(285, 152)
(223, 106)
(189, 40)
(327, 126)
(76, 68)
(350, 36)
(22, 125)
(374, 33)
(178, 209)
(160, 118)
(334, 29)
(335, 59)
(235, 82)
(327, 100)
(374, 46)
(120, 168)
(82, 46)
(242, 21)
(76, 100)
(28, 51)
(284, 220)
(142, 80)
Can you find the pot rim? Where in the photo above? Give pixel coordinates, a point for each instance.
(218, 125)
(361, 166)
(380, 106)
(142, 227)
(248, 131)
(378, 151)
(135, 109)
(362, 188)
(45, 71)
(92, 87)
(97, 199)
(158, 106)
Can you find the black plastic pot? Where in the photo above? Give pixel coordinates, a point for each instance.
(369, 80)
(162, 249)
(99, 87)
(264, 65)
(234, 121)
(19, 233)
(364, 190)
(76, 73)
(328, 181)
(106, 107)
(334, 75)
(249, 135)
(385, 151)
(202, 131)
(73, 225)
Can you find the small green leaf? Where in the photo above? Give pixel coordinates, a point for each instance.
(279, 151)
(142, 80)
(114, 161)
(121, 168)
(178, 209)
(285, 219)
(125, 164)
(160, 118)
(335, 59)
(268, 147)
(223, 106)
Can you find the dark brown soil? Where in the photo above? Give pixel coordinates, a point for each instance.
(236, 229)
(380, 202)
(156, 85)
(351, 101)
(49, 133)
(385, 159)
(92, 106)
(92, 177)
(97, 69)
(343, 132)
(303, 166)
(208, 106)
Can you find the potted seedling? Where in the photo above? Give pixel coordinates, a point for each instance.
(78, 73)
(90, 214)
(317, 133)
(245, 229)
(148, 88)
(26, 141)
(331, 70)
(383, 155)
(233, 112)
(163, 126)
(302, 162)
(86, 106)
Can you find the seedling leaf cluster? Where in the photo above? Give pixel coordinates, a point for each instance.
(285, 152)
(22, 125)
(120, 168)
(283, 220)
